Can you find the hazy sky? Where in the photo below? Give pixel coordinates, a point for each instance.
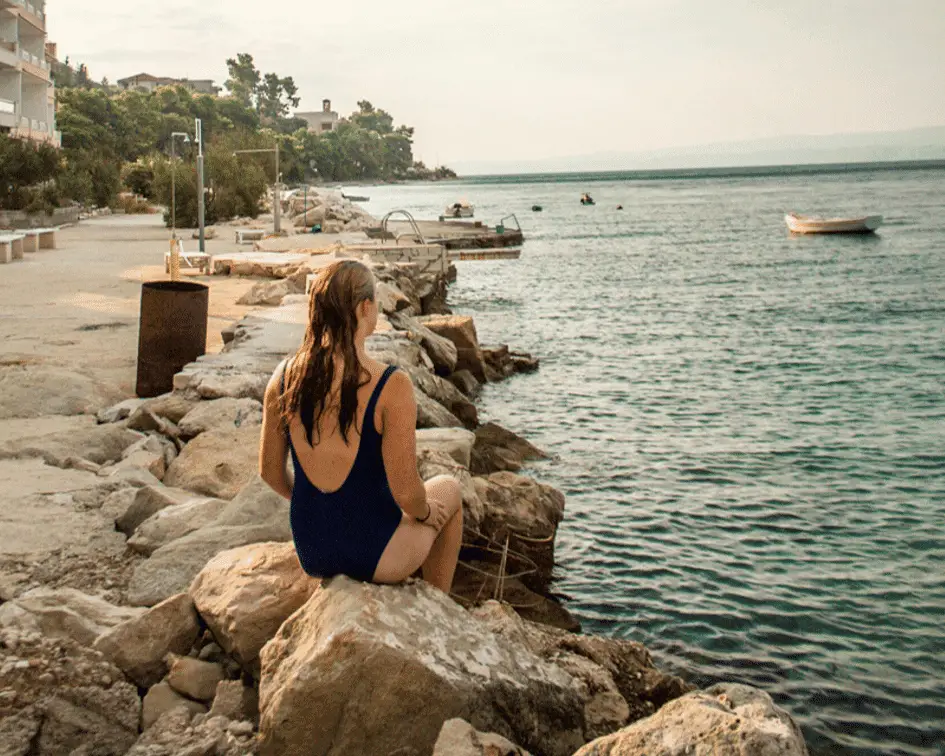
(501, 80)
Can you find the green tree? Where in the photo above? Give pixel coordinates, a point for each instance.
(244, 79)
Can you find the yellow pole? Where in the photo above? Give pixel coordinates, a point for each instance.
(175, 260)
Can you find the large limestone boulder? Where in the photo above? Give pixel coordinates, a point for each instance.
(64, 613)
(269, 293)
(498, 449)
(394, 348)
(194, 678)
(390, 299)
(101, 444)
(146, 502)
(617, 679)
(725, 720)
(220, 414)
(461, 330)
(445, 393)
(459, 738)
(256, 515)
(441, 350)
(160, 701)
(66, 699)
(139, 646)
(173, 407)
(175, 522)
(33, 390)
(372, 669)
(217, 463)
(521, 506)
(245, 594)
(432, 414)
(454, 442)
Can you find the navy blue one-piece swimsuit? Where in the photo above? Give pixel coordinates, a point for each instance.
(345, 532)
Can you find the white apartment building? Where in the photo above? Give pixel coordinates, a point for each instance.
(27, 93)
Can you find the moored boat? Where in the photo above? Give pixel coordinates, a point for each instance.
(460, 209)
(805, 224)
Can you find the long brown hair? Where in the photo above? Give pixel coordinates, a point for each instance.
(333, 322)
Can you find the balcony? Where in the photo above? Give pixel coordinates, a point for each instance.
(9, 57)
(8, 118)
(30, 13)
(34, 65)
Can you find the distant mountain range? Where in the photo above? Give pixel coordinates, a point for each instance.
(914, 144)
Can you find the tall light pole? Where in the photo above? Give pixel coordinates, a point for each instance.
(276, 197)
(201, 212)
(186, 138)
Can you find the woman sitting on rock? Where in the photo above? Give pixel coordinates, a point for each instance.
(358, 504)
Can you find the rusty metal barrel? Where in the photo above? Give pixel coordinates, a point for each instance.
(173, 332)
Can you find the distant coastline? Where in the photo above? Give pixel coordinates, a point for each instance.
(740, 171)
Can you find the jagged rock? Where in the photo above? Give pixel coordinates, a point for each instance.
(199, 382)
(139, 646)
(441, 350)
(724, 720)
(617, 679)
(194, 678)
(266, 293)
(175, 522)
(118, 412)
(465, 382)
(64, 613)
(147, 501)
(432, 414)
(327, 684)
(390, 299)
(498, 449)
(236, 701)
(461, 330)
(394, 348)
(245, 594)
(220, 414)
(522, 506)
(523, 363)
(455, 442)
(256, 515)
(172, 406)
(148, 454)
(101, 444)
(430, 463)
(459, 738)
(66, 699)
(160, 700)
(445, 393)
(217, 463)
(181, 732)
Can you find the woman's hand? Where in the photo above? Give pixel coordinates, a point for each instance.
(438, 515)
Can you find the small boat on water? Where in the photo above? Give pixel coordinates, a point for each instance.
(587, 199)
(536, 208)
(805, 224)
(460, 209)
(355, 198)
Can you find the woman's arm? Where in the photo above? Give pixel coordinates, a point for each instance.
(273, 448)
(399, 446)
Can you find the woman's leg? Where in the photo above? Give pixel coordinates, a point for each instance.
(415, 545)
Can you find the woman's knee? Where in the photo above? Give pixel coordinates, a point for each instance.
(447, 489)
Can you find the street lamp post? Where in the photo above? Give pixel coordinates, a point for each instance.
(276, 197)
(186, 139)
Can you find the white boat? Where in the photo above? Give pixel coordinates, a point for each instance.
(459, 210)
(805, 224)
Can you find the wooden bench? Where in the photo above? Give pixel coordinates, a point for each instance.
(11, 247)
(249, 235)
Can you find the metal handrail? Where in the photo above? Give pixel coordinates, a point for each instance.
(413, 223)
(513, 217)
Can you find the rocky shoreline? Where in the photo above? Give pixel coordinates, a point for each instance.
(201, 635)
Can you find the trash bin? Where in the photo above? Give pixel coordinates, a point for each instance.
(500, 229)
(172, 332)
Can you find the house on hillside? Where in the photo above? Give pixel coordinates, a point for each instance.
(147, 83)
(27, 92)
(322, 120)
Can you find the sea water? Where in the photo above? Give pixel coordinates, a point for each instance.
(749, 426)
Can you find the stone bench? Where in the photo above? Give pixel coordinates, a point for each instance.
(11, 247)
(249, 235)
(39, 238)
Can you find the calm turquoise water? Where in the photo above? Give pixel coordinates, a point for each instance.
(750, 428)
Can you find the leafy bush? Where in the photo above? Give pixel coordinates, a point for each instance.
(139, 178)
